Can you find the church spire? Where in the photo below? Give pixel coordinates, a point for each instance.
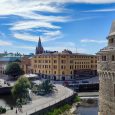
(39, 48)
(39, 42)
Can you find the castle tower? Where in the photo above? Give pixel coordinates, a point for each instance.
(39, 48)
(106, 70)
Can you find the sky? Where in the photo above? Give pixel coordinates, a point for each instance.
(77, 25)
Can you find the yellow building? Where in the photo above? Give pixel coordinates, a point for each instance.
(65, 65)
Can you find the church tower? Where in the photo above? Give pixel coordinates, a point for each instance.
(106, 70)
(39, 48)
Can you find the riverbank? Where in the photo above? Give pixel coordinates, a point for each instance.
(43, 102)
(86, 106)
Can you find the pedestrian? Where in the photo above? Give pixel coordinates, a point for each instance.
(16, 111)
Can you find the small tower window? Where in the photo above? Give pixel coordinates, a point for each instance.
(113, 58)
(114, 90)
(111, 40)
(103, 58)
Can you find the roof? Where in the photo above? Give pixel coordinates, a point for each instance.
(112, 30)
(9, 59)
(57, 53)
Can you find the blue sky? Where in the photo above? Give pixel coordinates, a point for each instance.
(77, 25)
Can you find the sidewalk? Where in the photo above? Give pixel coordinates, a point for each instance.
(43, 101)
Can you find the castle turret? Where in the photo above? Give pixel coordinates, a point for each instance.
(106, 70)
(39, 48)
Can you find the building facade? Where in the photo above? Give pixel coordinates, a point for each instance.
(5, 60)
(106, 70)
(25, 64)
(65, 65)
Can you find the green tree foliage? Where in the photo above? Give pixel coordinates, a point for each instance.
(13, 69)
(47, 86)
(77, 99)
(2, 110)
(60, 110)
(20, 89)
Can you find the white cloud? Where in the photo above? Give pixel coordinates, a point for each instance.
(101, 10)
(13, 7)
(4, 43)
(47, 36)
(33, 16)
(49, 18)
(25, 25)
(93, 41)
(87, 1)
(52, 33)
(21, 7)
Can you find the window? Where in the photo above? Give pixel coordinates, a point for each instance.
(55, 67)
(63, 56)
(63, 73)
(113, 58)
(111, 40)
(55, 61)
(71, 61)
(71, 72)
(62, 61)
(103, 58)
(91, 61)
(75, 66)
(35, 61)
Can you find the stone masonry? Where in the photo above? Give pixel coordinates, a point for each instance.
(106, 70)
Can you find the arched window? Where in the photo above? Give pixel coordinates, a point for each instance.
(113, 58)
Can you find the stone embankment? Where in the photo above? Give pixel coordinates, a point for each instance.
(45, 103)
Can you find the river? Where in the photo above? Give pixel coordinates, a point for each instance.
(88, 110)
(6, 100)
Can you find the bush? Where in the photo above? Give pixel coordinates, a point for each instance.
(2, 110)
(77, 99)
(60, 110)
(90, 101)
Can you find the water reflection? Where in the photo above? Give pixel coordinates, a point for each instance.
(88, 110)
(6, 100)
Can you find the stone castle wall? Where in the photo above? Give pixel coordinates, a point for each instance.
(106, 93)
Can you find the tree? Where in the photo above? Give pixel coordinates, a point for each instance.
(13, 69)
(47, 86)
(21, 88)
